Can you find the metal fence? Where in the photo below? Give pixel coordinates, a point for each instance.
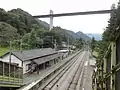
(110, 79)
(117, 80)
(108, 69)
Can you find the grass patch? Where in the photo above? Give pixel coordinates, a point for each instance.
(3, 50)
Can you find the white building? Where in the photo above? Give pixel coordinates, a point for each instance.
(25, 58)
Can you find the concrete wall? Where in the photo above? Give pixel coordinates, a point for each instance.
(19, 62)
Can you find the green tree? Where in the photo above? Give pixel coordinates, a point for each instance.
(30, 40)
(110, 31)
(79, 43)
(93, 43)
(7, 33)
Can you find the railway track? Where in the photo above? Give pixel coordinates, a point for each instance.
(78, 74)
(48, 76)
(51, 82)
(75, 68)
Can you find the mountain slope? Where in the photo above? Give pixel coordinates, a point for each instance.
(24, 23)
(72, 34)
(43, 23)
(82, 35)
(96, 36)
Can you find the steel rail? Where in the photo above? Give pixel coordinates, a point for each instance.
(59, 75)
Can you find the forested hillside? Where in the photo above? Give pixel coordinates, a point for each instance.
(111, 33)
(17, 25)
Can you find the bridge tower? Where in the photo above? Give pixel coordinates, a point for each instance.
(51, 20)
(118, 4)
(113, 7)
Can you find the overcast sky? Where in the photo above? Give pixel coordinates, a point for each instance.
(86, 24)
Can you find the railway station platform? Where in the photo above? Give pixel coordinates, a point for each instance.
(34, 77)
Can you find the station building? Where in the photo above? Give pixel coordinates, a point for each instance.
(33, 60)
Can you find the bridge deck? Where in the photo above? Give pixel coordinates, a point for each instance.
(74, 13)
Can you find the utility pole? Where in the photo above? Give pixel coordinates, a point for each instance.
(21, 45)
(52, 42)
(68, 45)
(52, 39)
(55, 45)
(10, 52)
(42, 43)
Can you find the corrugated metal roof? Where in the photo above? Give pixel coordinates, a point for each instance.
(35, 53)
(45, 59)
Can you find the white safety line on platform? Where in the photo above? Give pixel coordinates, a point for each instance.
(86, 63)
